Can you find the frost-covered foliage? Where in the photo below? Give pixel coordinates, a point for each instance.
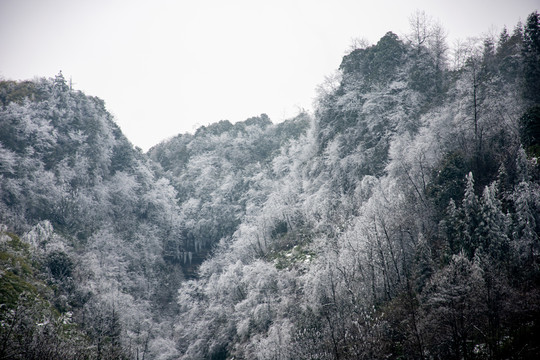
(96, 214)
(403, 224)
(221, 172)
(400, 220)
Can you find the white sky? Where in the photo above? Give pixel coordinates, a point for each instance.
(167, 67)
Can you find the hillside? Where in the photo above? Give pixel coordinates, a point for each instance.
(95, 215)
(400, 220)
(403, 224)
(219, 171)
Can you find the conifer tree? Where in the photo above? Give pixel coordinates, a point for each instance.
(470, 210)
(491, 230)
(60, 82)
(526, 239)
(453, 228)
(531, 57)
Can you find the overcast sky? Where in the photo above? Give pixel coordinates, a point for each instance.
(167, 67)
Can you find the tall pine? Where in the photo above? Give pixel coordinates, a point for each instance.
(531, 58)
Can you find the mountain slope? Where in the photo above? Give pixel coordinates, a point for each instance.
(95, 214)
(219, 171)
(398, 225)
(400, 220)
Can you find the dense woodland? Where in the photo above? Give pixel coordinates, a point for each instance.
(399, 220)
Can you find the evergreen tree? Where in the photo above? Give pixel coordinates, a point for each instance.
(531, 57)
(525, 236)
(453, 228)
(530, 130)
(491, 231)
(470, 210)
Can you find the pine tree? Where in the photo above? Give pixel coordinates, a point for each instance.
(492, 226)
(60, 82)
(453, 227)
(526, 239)
(531, 57)
(470, 210)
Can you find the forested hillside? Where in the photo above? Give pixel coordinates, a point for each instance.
(94, 217)
(403, 224)
(219, 172)
(400, 220)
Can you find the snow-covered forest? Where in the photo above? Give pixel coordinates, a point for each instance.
(399, 220)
